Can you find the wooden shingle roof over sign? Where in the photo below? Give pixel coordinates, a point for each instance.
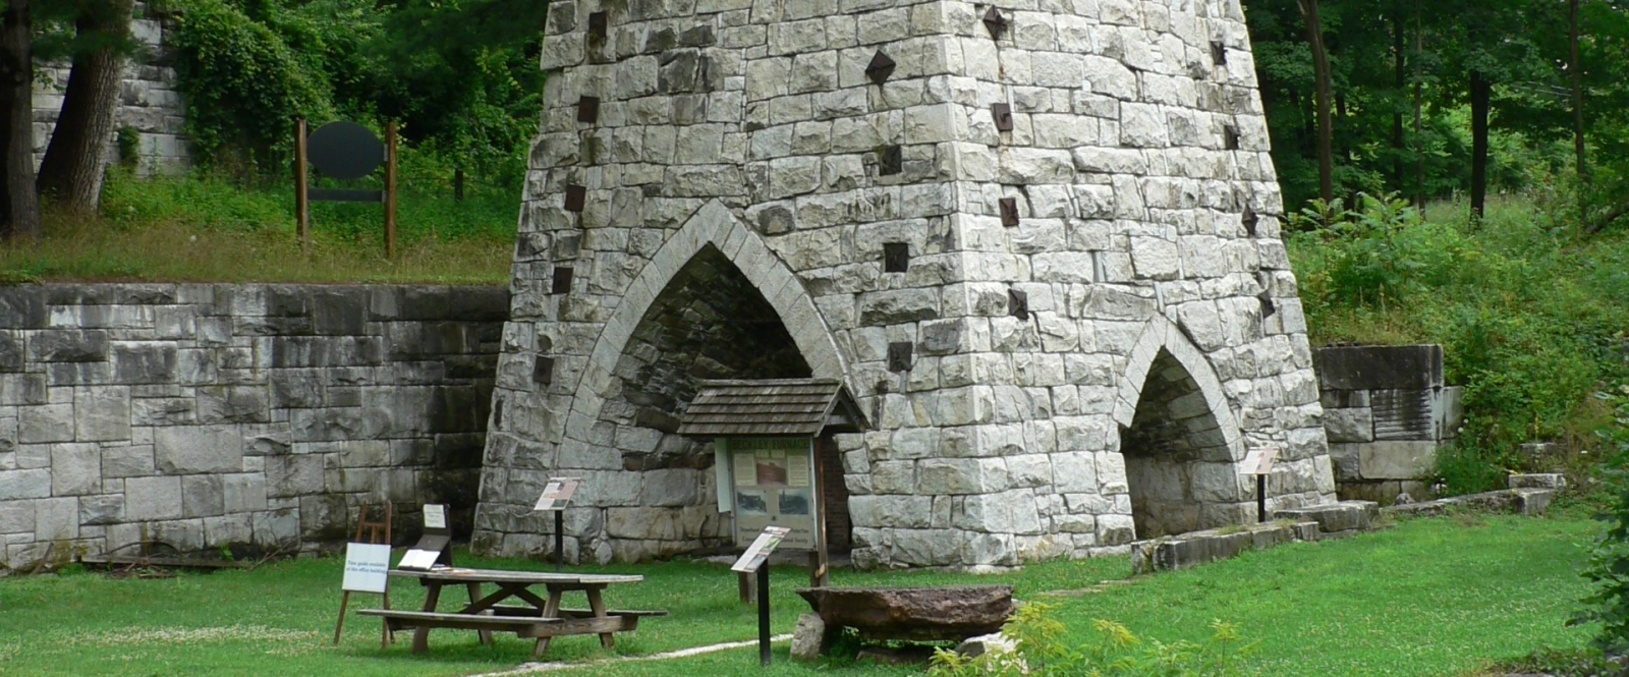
(771, 408)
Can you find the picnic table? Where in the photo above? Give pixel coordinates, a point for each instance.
(539, 617)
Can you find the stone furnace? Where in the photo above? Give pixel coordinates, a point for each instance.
(1037, 240)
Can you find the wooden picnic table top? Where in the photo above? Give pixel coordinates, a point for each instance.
(522, 577)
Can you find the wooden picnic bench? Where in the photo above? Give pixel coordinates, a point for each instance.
(539, 618)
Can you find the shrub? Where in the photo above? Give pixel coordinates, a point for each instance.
(1041, 652)
(1608, 567)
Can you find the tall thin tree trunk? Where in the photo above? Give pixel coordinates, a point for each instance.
(76, 159)
(1481, 98)
(1419, 108)
(1326, 126)
(1400, 76)
(19, 204)
(1576, 67)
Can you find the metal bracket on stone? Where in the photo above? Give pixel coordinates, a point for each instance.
(1018, 304)
(599, 24)
(880, 68)
(1230, 137)
(890, 161)
(562, 280)
(896, 257)
(576, 198)
(899, 357)
(1009, 211)
(995, 22)
(1249, 219)
(543, 370)
(588, 109)
(1003, 116)
(1218, 53)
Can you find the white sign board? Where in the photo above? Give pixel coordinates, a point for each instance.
(435, 516)
(557, 493)
(759, 551)
(366, 567)
(1259, 462)
(419, 559)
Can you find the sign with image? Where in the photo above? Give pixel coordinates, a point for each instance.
(366, 567)
(557, 493)
(762, 547)
(774, 485)
(1259, 461)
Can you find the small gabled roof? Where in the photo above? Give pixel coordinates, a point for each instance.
(801, 407)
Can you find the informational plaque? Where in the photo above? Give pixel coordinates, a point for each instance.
(418, 559)
(774, 486)
(760, 550)
(557, 493)
(1259, 461)
(435, 517)
(366, 567)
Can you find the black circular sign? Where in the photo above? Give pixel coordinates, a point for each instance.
(345, 150)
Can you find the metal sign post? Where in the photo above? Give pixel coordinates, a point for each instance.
(1260, 463)
(756, 560)
(556, 496)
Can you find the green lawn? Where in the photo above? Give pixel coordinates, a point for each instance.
(1430, 597)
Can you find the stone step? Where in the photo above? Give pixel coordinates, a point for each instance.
(1169, 553)
(1335, 518)
(1548, 480)
(1531, 502)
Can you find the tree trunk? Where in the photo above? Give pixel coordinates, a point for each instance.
(1481, 96)
(19, 205)
(1419, 108)
(1576, 68)
(1400, 77)
(75, 161)
(1326, 126)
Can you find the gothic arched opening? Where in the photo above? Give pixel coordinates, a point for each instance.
(709, 322)
(1179, 465)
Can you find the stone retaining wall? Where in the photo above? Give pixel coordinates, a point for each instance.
(1386, 412)
(210, 415)
(148, 101)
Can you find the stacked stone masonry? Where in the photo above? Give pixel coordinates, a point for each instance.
(1387, 410)
(149, 103)
(1081, 371)
(208, 416)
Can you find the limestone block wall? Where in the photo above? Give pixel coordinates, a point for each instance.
(206, 415)
(1066, 334)
(148, 101)
(1387, 411)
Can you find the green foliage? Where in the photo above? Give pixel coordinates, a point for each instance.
(1530, 315)
(244, 85)
(1040, 650)
(1608, 569)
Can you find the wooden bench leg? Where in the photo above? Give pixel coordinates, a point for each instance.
(421, 634)
(607, 640)
(474, 595)
(551, 609)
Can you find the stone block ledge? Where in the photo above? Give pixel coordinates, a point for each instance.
(1170, 553)
(1530, 502)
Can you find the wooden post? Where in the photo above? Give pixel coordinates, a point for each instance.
(302, 202)
(390, 189)
(820, 559)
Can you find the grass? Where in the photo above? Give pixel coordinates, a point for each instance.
(1429, 597)
(206, 228)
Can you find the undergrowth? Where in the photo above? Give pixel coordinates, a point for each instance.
(203, 227)
(1532, 316)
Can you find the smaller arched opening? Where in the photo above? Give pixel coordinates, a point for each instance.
(1180, 466)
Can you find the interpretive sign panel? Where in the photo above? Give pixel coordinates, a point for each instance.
(760, 550)
(1259, 461)
(366, 567)
(557, 493)
(435, 517)
(774, 486)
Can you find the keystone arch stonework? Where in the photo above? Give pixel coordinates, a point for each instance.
(1097, 306)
